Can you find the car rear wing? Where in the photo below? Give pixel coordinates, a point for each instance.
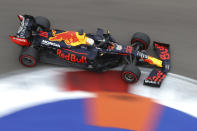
(156, 77)
(27, 25)
(24, 32)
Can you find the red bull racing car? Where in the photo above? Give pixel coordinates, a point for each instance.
(91, 51)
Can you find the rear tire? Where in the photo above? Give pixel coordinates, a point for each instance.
(43, 23)
(130, 73)
(141, 39)
(29, 57)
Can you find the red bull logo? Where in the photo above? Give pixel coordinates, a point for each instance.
(71, 57)
(148, 61)
(68, 37)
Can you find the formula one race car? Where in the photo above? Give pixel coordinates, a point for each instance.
(71, 48)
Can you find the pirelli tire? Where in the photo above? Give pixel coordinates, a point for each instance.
(130, 73)
(141, 39)
(29, 57)
(43, 23)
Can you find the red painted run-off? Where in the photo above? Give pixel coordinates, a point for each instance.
(91, 81)
(115, 107)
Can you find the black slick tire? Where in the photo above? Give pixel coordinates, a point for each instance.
(29, 57)
(130, 73)
(142, 39)
(43, 23)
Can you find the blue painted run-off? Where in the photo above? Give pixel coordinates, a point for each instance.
(173, 120)
(66, 115)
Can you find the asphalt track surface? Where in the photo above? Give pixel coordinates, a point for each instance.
(170, 21)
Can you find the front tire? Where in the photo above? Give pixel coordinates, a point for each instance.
(29, 57)
(130, 73)
(141, 39)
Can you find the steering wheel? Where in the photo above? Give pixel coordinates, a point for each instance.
(105, 41)
(102, 39)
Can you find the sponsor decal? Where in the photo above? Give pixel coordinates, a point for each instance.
(150, 81)
(158, 77)
(19, 39)
(48, 43)
(44, 34)
(75, 52)
(68, 37)
(154, 61)
(148, 61)
(164, 55)
(71, 57)
(129, 49)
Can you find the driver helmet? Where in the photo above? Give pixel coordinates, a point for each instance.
(90, 41)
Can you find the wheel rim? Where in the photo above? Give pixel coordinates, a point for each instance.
(27, 61)
(129, 77)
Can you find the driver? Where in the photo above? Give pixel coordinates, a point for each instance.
(104, 40)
